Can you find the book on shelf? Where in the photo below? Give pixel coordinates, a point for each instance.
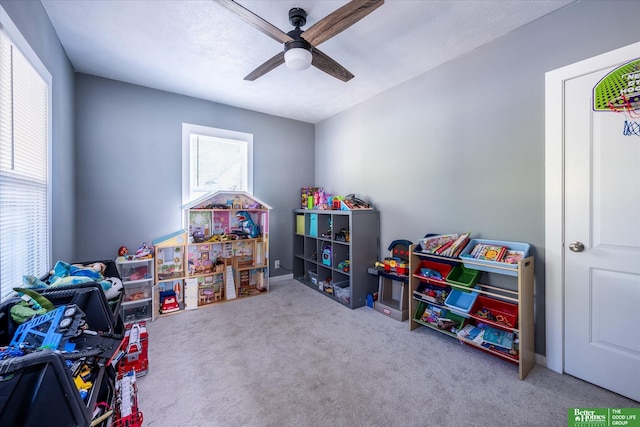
(432, 243)
(489, 252)
(443, 247)
(498, 338)
(449, 245)
(513, 257)
(472, 333)
(458, 245)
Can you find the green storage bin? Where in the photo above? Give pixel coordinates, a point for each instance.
(463, 276)
(449, 315)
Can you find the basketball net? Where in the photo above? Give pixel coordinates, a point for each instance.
(632, 115)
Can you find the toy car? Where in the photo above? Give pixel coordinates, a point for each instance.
(169, 304)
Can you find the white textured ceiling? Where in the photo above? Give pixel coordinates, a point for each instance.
(198, 48)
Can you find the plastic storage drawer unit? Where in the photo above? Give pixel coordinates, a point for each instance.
(136, 311)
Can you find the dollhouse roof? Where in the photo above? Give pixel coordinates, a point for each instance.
(221, 198)
(176, 238)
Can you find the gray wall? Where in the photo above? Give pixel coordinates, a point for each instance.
(461, 148)
(457, 149)
(34, 24)
(129, 168)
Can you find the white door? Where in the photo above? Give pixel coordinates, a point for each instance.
(602, 213)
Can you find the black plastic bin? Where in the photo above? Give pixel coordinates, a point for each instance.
(113, 306)
(7, 326)
(37, 390)
(90, 298)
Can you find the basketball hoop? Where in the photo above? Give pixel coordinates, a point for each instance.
(630, 107)
(619, 91)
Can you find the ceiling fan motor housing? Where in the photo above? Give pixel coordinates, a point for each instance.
(297, 17)
(298, 41)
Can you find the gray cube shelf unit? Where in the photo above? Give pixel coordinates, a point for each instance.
(324, 239)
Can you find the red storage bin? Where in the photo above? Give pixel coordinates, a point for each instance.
(441, 268)
(500, 313)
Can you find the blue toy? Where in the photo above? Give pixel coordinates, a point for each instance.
(427, 272)
(246, 224)
(326, 255)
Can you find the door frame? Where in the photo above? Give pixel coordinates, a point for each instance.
(554, 192)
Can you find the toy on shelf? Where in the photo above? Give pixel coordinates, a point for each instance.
(209, 295)
(310, 197)
(247, 225)
(398, 262)
(393, 277)
(326, 255)
(143, 252)
(342, 236)
(429, 273)
(168, 302)
(351, 202)
(344, 265)
(327, 234)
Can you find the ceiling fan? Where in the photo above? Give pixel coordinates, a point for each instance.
(300, 46)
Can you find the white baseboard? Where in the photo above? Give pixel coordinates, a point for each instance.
(541, 360)
(281, 278)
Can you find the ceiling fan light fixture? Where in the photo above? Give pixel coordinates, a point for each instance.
(297, 55)
(298, 58)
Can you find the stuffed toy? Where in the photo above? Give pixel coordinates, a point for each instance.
(31, 304)
(69, 274)
(115, 289)
(246, 224)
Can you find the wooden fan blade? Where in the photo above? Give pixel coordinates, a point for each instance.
(323, 63)
(340, 20)
(272, 63)
(255, 21)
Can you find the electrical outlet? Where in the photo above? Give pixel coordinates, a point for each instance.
(276, 264)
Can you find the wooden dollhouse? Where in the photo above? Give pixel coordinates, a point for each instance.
(227, 246)
(170, 272)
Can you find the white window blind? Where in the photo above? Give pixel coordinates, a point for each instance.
(215, 160)
(24, 172)
(217, 164)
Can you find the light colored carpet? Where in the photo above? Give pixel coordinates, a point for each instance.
(294, 357)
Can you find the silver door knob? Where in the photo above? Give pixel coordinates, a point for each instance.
(576, 246)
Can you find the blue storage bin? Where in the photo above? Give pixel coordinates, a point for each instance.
(460, 301)
(313, 225)
(490, 266)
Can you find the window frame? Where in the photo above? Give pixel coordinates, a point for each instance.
(20, 43)
(187, 130)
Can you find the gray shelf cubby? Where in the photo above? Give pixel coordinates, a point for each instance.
(324, 239)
